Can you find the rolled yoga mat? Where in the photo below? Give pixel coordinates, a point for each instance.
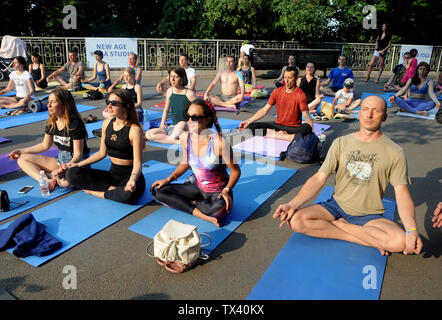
(310, 268)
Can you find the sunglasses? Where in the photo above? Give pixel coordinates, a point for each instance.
(194, 117)
(113, 103)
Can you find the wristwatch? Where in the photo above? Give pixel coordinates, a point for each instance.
(227, 188)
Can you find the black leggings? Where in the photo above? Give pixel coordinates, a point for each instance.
(101, 180)
(304, 128)
(180, 196)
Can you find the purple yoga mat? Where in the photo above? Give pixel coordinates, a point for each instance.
(268, 147)
(244, 103)
(4, 140)
(7, 165)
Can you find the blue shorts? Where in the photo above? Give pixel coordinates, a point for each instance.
(66, 157)
(333, 207)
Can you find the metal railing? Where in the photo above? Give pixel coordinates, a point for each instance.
(160, 54)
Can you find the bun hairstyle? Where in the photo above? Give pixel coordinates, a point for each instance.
(208, 111)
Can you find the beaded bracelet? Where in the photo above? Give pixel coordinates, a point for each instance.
(409, 230)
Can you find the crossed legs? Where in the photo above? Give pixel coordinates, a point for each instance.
(32, 164)
(231, 103)
(382, 234)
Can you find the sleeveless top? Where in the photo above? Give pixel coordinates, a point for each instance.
(136, 73)
(210, 171)
(178, 104)
(309, 88)
(101, 74)
(421, 90)
(247, 75)
(118, 143)
(36, 73)
(132, 92)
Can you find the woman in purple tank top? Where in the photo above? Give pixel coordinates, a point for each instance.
(210, 196)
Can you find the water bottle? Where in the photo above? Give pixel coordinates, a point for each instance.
(146, 119)
(71, 81)
(44, 187)
(321, 144)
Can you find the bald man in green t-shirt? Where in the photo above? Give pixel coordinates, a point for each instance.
(364, 163)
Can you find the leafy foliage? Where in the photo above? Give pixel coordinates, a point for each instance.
(412, 21)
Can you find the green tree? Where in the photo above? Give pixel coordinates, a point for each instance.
(253, 19)
(180, 19)
(304, 20)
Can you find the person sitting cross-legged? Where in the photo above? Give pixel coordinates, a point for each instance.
(291, 104)
(364, 162)
(231, 81)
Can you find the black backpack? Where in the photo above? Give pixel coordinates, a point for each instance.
(5, 204)
(302, 149)
(95, 95)
(439, 116)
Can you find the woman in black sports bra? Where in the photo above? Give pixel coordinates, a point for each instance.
(123, 141)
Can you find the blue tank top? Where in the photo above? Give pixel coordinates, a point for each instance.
(421, 90)
(210, 171)
(101, 74)
(136, 73)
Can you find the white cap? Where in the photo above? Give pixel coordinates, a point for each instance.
(349, 82)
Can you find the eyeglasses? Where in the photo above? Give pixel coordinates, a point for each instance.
(113, 103)
(193, 117)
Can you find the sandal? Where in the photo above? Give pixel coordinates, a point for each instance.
(178, 267)
(90, 119)
(20, 111)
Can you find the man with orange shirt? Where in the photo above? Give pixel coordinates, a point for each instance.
(291, 104)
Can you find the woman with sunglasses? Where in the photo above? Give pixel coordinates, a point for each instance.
(123, 141)
(66, 130)
(210, 197)
(178, 98)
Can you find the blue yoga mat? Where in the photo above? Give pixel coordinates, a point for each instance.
(257, 188)
(431, 114)
(23, 119)
(92, 126)
(79, 216)
(384, 96)
(322, 269)
(34, 196)
(9, 94)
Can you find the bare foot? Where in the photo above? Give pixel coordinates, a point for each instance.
(423, 113)
(197, 213)
(376, 81)
(51, 184)
(98, 194)
(384, 252)
(366, 79)
(339, 222)
(63, 183)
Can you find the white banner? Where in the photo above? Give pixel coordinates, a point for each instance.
(115, 50)
(423, 52)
